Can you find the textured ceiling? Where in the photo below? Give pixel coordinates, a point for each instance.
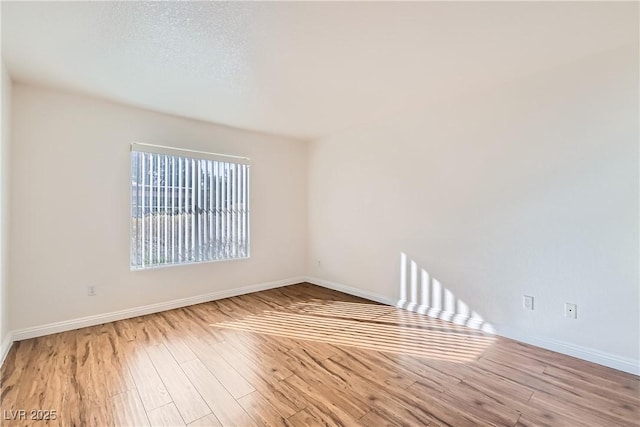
(297, 69)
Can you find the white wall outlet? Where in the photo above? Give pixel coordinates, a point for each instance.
(319, 264)
(91, 291)
(570, 310)
(527, 302)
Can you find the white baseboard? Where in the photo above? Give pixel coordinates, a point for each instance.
(349, 290)
(67, 325)
(450, 316)
(629, 365)
(429, 311)
(614, 361)
(5, 346)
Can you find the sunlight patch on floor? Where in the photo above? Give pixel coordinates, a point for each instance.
(368, 326)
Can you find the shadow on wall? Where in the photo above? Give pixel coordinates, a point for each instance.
(423, 293)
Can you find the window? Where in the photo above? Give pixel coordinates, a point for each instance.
(187, 206)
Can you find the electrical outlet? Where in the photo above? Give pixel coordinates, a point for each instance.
(91, 291)
(319, 264)
(527, 302)
(570, 310)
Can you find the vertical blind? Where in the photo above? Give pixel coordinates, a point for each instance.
(187, 206)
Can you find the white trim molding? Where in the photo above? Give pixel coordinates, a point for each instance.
(83, 322)
(602, 358)
(5, 346)
(468, 320)
(596, 356)
(349, 290)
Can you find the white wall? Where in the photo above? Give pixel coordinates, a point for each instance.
(4, 205)
(70, 207)
(530, 188)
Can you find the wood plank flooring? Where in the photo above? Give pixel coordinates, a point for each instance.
(303, 356)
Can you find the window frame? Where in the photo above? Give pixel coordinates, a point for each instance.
(226, 206)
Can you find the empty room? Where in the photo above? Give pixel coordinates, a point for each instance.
(320, 214)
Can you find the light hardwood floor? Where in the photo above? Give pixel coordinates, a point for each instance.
(304, 355)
